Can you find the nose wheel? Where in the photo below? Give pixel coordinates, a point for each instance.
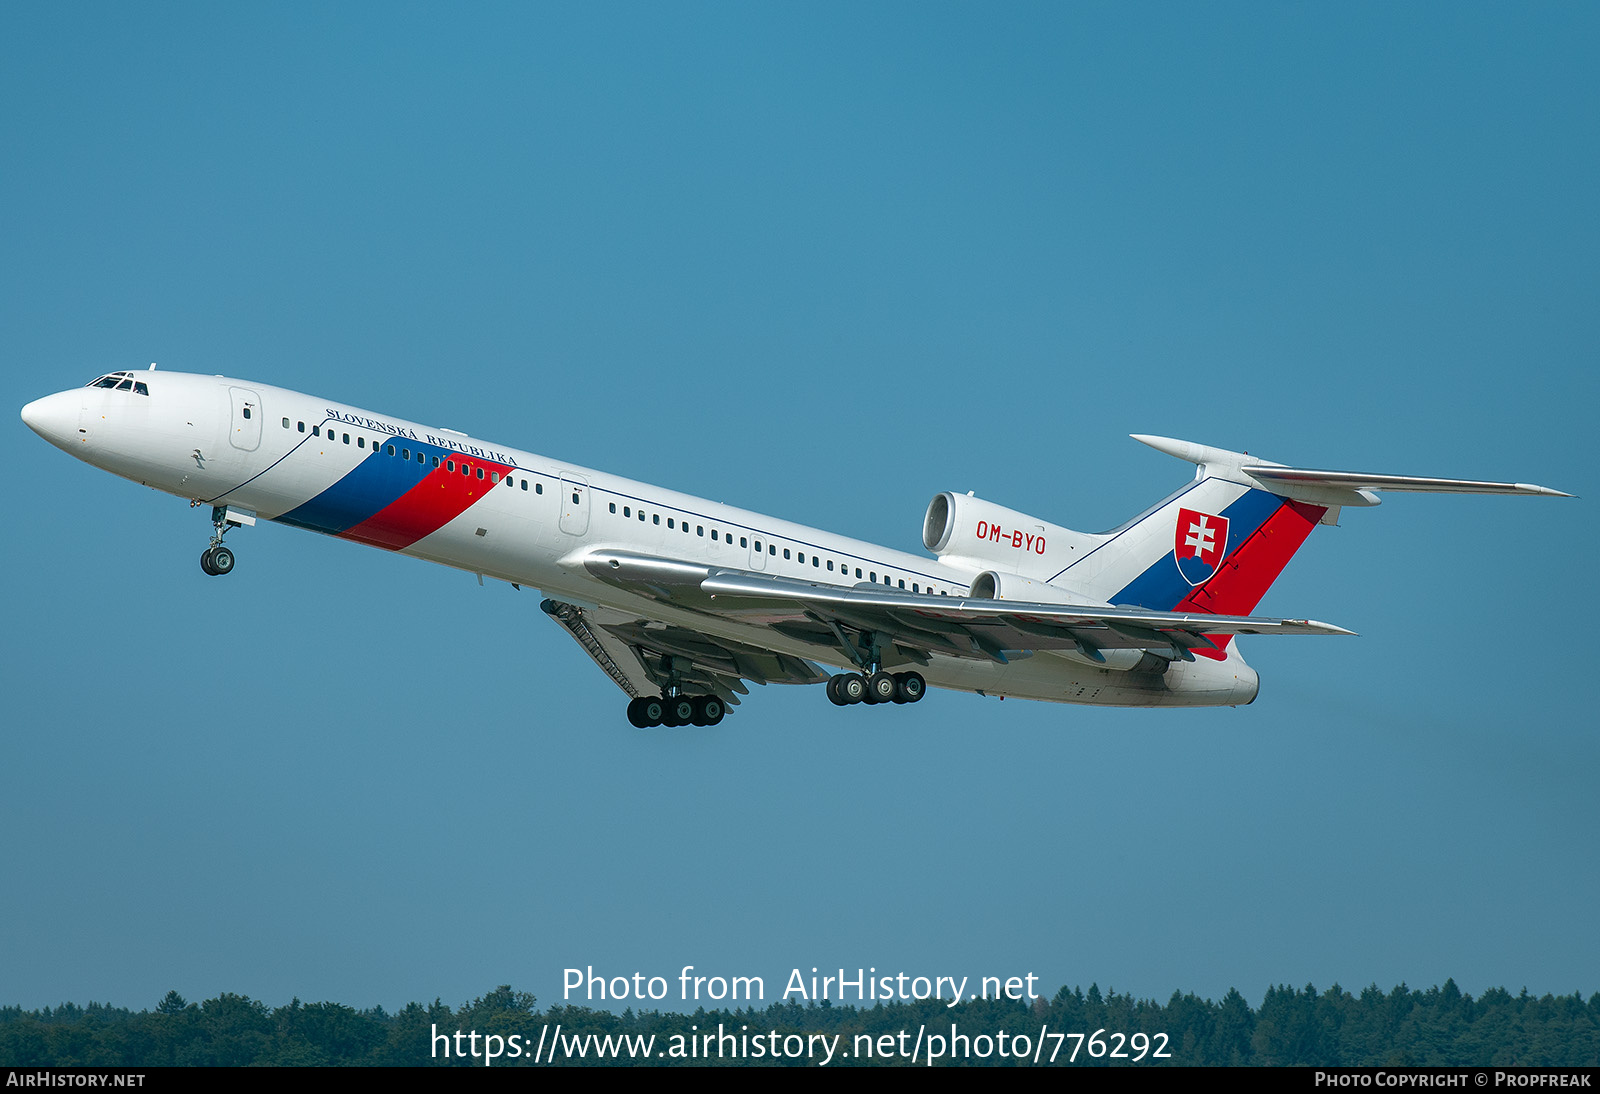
(216, 559)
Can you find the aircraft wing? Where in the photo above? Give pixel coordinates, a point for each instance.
(979, 628)
(644, 657)
(909, 627)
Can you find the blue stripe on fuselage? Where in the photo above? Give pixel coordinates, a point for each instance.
(1162, 587)
(372, 485)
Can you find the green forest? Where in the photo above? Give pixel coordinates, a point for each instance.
(1292, 1027)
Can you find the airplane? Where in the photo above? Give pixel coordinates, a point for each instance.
(683, 601)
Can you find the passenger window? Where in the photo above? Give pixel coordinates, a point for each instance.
(745, 542)
(700, 529)
(613, 507)
(830, 565)
(902, 583)
(771, 550)
(625, 511)
(641, 516)
(575, 499)
(480, 472)
(450, 465)
(524, 484)
(786, 552)
(361, 442)
(286, 423)
(302, 426)
(815, 561)
(758, 545)
(436, 461)
(347, 438)
(656, 519)
(246, 409)
(538, 488)
(405, 453)
(914, 587)
(874, 575)
(713, 533)
(802, 558)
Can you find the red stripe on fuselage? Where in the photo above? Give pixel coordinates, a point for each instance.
(1242, 580)
(441, 496)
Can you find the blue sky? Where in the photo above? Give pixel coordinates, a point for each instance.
(822, 261)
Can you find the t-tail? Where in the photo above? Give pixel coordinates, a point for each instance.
(1218, 544)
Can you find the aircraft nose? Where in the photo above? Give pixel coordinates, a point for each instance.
(55, 417)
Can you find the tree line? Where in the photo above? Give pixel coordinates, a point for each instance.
(1292, 1027)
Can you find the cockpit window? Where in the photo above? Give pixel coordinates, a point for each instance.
(120, 381)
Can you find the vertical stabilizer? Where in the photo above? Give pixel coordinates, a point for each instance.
(1218, 544)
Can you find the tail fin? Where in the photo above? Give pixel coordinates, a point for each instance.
(1218, 544)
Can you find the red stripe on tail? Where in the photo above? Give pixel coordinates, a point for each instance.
(1242, 580)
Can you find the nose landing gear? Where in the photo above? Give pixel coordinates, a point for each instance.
(216, 559)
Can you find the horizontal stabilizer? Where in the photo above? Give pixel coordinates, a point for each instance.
(1330, 489)
(1356, 480)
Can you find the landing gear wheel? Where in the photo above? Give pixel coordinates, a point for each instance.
(679, 712)
(652, 709)
(833, 691)
(205, 562)
(909, 687)
(221, 560)
(881, 688)
(708, 710)
(853, 688)
(636, 714)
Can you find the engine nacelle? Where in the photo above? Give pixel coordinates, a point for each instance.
(995, 585)
(972, 534)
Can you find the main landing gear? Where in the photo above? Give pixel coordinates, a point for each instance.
(679, 710)
(849, 688)
(216, 559)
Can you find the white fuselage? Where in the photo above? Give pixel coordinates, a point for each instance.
(528, 519)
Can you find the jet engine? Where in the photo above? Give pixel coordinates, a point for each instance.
(972, 534)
